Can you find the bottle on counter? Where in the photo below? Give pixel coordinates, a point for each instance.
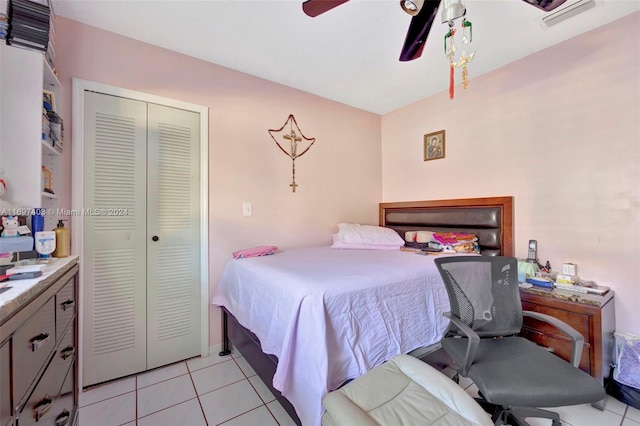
(63, 240)
(37, 223)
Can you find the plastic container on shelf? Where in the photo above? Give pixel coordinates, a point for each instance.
(46, 179)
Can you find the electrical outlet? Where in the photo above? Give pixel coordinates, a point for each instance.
(247, 209)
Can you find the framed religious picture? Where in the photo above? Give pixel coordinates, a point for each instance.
(434, 145)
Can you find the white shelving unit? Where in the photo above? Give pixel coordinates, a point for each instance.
(23, 76)
(21, 83)
(50, 155)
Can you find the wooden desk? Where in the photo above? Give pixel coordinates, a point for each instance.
(592, 315)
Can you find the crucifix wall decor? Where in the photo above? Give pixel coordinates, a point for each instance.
(298, 144)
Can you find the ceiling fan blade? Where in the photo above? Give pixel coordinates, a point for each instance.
(418, 31)
(546, 5)
(314, 8)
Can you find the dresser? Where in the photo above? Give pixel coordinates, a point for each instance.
(38, 341)
(592, 315)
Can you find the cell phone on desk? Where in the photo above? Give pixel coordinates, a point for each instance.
(25, 275)
(532, 255)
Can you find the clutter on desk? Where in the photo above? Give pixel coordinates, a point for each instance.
(540, 282)
(16, 244)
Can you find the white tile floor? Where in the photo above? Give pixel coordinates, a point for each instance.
(226, 390)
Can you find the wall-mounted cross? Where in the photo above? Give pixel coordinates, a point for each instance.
(294, 140)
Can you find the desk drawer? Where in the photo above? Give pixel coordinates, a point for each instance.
(578, 321)
(32, 345)
(65, 306)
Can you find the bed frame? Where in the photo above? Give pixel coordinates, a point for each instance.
(491, 219)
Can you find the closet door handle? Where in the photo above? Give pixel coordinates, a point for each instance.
(155, 238)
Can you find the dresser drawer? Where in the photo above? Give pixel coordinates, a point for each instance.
(32, 345)
(65, 306)
(66, 352)
(562, 348)
(578, 321)
(5, 385)
(65, 405)
(42, 407)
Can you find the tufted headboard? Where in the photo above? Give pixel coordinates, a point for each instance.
(491, 219)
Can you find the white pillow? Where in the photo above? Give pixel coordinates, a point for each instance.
(353, 246)
(353, 233)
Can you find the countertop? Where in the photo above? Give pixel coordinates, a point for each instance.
(584, 298)
(16, 294)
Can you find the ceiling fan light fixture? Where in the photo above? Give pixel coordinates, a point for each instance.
(412, 7)
(453, 9)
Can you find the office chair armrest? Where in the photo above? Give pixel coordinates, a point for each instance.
(578, 339)
(473, 341)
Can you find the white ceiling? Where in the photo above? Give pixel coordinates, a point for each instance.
(349, 54)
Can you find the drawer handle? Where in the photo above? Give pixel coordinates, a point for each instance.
(41, 408)
(68, 304)
(67, 352)
(38, 341)
(63, 418)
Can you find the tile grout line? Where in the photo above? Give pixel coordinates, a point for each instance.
(624, 415)
(195, 391)
(242, 414)
(264, 403)
(136, 400)
(167, 407)
(257, 393)
(271, 412)
(106, 399)
(206, 421)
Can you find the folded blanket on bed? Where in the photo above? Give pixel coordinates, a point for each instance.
(454, 238)
(255, 251)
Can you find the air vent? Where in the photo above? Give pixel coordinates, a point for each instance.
(567, 12)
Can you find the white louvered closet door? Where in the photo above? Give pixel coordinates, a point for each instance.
(142, 257)
(114, 256)
(173, 229)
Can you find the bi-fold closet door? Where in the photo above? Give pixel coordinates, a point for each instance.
(141, 239)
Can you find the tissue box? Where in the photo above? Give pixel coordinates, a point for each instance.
(569, 269)
(15, 244)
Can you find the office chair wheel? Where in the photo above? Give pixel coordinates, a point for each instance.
(556, 422)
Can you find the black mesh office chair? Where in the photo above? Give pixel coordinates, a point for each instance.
(513, 375)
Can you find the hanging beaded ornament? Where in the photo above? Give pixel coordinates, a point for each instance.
(450, 51)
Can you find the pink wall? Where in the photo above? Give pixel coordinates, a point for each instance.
(559, 131)
(339, 177)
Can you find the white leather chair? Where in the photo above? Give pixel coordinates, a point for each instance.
(403, 391)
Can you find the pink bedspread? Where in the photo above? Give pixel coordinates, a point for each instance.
(332, 315)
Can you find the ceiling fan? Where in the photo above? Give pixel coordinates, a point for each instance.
(424, 13)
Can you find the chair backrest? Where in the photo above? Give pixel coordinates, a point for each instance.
(483, 293)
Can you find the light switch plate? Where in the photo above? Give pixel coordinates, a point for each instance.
(247, 209)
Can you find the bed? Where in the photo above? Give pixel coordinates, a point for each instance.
(326, 321)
